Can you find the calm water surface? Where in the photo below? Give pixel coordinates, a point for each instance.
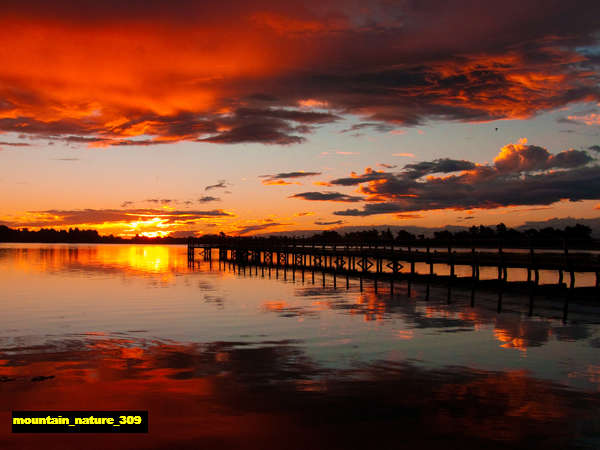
(228, 360)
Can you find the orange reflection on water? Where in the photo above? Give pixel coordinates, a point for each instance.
(509, 341)
(405, 335)
(128, 259)
(277, 305)
(371, 306)
(150, 258)
(472, 316)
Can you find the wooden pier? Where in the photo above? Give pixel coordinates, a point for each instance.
(396, 263)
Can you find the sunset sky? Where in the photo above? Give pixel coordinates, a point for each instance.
(188, 117)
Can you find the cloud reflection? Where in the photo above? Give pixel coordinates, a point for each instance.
(229, 394)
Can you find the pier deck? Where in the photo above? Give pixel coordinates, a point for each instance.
(396, 263)
(391, 259)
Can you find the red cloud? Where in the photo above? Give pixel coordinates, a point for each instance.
(114, 73)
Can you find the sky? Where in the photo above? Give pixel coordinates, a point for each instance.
(182, 117)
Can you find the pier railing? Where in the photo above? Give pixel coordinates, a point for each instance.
(390, 258)
(396, 262)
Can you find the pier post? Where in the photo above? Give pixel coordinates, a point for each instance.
(560, 277)
(474, 275)
(501, 276)
(451, 278)
(412, 271)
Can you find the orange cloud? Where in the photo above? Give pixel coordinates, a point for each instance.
(278, 182)
(123, 222)
(522, 174)
(409, 216)
(312, 103)
(588, 119)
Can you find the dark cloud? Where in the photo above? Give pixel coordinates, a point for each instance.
(283, 175)
(169, 201)
(372, 209)
(268, 132)
(308, 117)
(267, 126)
(263, 98)
(161, 201)
(568, 159)
(333, 222)
(131, 143)
(182, 233)
(377, 126)
(327, 196)
(219, 185)
(354, 179)
(443, 165)
(14, 144)
(521, 157)
(208, 198)
(387, 63)
(73, 139)
(263, 226)
(280, 178)
(521, 175)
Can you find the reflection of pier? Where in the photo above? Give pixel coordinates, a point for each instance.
(386, 264)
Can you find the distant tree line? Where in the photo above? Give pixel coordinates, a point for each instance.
(481, 236)
(75, 235)
(577, 233)
(578, 236)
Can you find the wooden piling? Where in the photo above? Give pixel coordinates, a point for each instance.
(368, 262)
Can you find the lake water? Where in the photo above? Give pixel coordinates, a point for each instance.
(222, 359)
